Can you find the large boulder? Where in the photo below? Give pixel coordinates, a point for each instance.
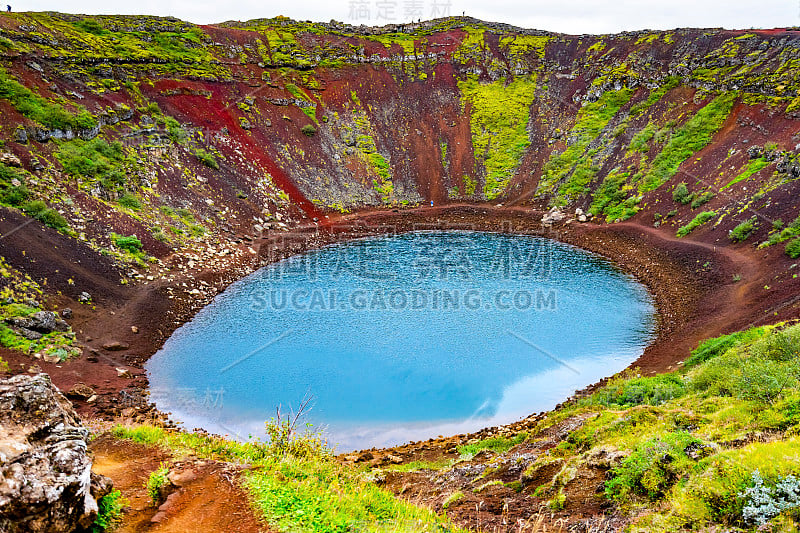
(46, 479)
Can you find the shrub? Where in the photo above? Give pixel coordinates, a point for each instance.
(130, 201)
(453, 498)
(130, 243)
(681, 194)
(308, 130)
(702, 199)
(92, 159)
(495, 444)
(109, 512)
(763, 503)
(781, 346)
(175, 131)
(625, 391)
(206, 158)
(41, 110)
(699, 220)
(652, 468)
(711, 348)
(743, 230)
(793, 248)
(49, 217)
(156, 481)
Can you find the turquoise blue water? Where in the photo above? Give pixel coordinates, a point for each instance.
(404, 337)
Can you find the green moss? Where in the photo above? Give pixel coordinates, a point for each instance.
(612, 198)
(689, 139)
(574, 168)
(697, 221)
(668, 84)
(524, 45)
(499, 114)
(41, 110)
(753, 166)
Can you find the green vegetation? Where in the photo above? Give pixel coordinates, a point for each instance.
(692, 137)
(206, 158)
(669, 83)
(653, 468)
(130, 243)
(688, 441)
(308, 130)
(681, 194)
(789, 232)
(611, 198)
(297, 485)
(41, 110)
(49, 217)
(702, 199)
(155, 482)
(494, 444)
(793, 248)
(95, 159)
(699, 220)
(499, 114)
(742, 231)
(130, 201)
(453, 498)
(640, 141)
(575, 164)
(13, 191)
(109, 513)
(754, 166)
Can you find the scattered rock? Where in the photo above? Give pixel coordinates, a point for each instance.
(134, 329)
(40, 322)
(48, 485)
(115, 346)
(553, 216)
(605, 457)
(80, 391)
(84, 297)
(124, 373)
(364, 457)
(66, 313)
(10, 160)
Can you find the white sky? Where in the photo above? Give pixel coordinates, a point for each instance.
(568, 16)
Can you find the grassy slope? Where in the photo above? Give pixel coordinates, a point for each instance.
(692, 444)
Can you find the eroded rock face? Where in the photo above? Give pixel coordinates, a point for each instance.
(46, 482)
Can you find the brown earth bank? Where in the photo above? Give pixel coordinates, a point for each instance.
(200, 496)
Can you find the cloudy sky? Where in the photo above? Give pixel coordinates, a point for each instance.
(569, 16)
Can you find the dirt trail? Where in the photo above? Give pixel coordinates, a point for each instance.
(207, 499)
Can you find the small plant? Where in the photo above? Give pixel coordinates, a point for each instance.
(681, 194)
(109, 512)
(793, 248)
(763, 503)
(49, 217)
(308, 130)
(652, 468)
(702, 199)
(453, 498)
(130, 243)
(743, 230)
(286, 440)
(699, 220)
(130, 201)
(206, 158)
(156, 481)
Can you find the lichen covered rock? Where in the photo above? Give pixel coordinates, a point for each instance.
(46, 481)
